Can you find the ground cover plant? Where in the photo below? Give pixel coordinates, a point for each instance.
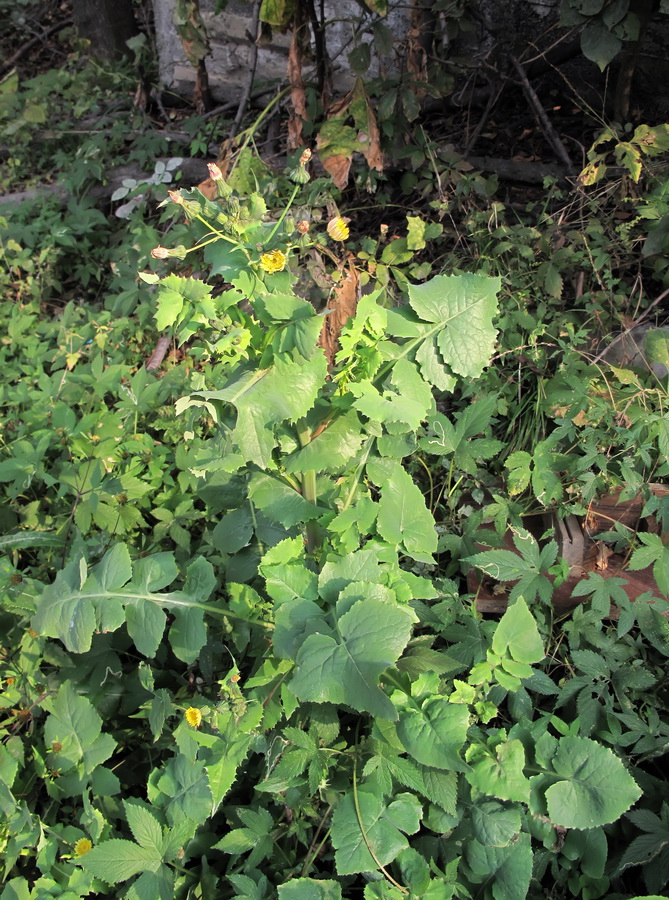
(237, 650)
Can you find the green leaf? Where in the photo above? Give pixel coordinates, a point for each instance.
(283, 393)
(234, 530)
(435, 733)
(75, 725)
(345, 669)
(518, 635)
(407, 398)
(381, 825)
(22, 539)
(599, 44)
(117, 860)
(332, 449)
(310, 889)
(145, 827)
(403, 519)
(462, 307)
(279, 501)
(499, 773)
(594, 787)
(495, 824)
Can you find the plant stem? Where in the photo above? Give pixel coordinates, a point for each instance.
(309, 490)
(284, 213)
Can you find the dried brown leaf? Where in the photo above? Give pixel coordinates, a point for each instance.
(343, 305)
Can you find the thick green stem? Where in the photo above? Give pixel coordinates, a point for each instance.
(309, 490)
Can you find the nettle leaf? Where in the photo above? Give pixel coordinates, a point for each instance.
(145, 827)
(263, 397)
(75, 724)
(403, 519)
(462, 307)
(383, 826)
(434, 733)
(655, 553)
(594, 787)
(345, 668)
(118, 860)
(495, 824)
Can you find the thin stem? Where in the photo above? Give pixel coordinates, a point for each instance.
(309, 490)
(284, 213)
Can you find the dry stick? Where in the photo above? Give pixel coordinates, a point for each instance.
(246, 93)
(7, 65)
(634, 324)
(492, 100)
(158, 354)
(551, 134)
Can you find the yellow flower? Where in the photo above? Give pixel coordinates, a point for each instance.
(274, 261)
(193, 717)
(338, 229)
(82, 847)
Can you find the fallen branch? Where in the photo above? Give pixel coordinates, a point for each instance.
(159, 353)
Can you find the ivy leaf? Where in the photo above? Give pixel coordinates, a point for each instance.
(594, 787)
(345, 669)
(403, 519)
(381, 826)
(434, 733)
(117, 860)
(463, 307)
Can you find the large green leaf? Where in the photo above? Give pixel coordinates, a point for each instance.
(117, 860)
(403, 519)
(462, 308)
(73, 732)
(407, 398)
(435, 732)
(378, 827)
(263, 397)
(81, 602)
(517, 635)
(499, 772)
(310, 889)
(594, 788)
(345, 668)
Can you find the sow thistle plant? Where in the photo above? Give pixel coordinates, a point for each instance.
(373, 737)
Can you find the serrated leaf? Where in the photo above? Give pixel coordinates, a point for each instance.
(74, 723)
(500, 774)
(495, 824)
(406, 399)
(594, 787)
(145, 827)
(346, 669)
(403, 519)
(435, 733)
(284, 392)
(117, 860)
(310, 889)
(381, 825)
(463, 307)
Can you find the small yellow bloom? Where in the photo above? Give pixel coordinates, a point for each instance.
(193, 717)
(274, 261)
(338, 229)
(82, 847)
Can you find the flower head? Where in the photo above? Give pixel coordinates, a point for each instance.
(338, 229)
(305, 157)
(82, 847)
(303, 226)
(160, 253)
(274, 261)
(176, 197)
(214, 172)
(193, 716)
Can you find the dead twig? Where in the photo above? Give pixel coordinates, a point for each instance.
(551, 134)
